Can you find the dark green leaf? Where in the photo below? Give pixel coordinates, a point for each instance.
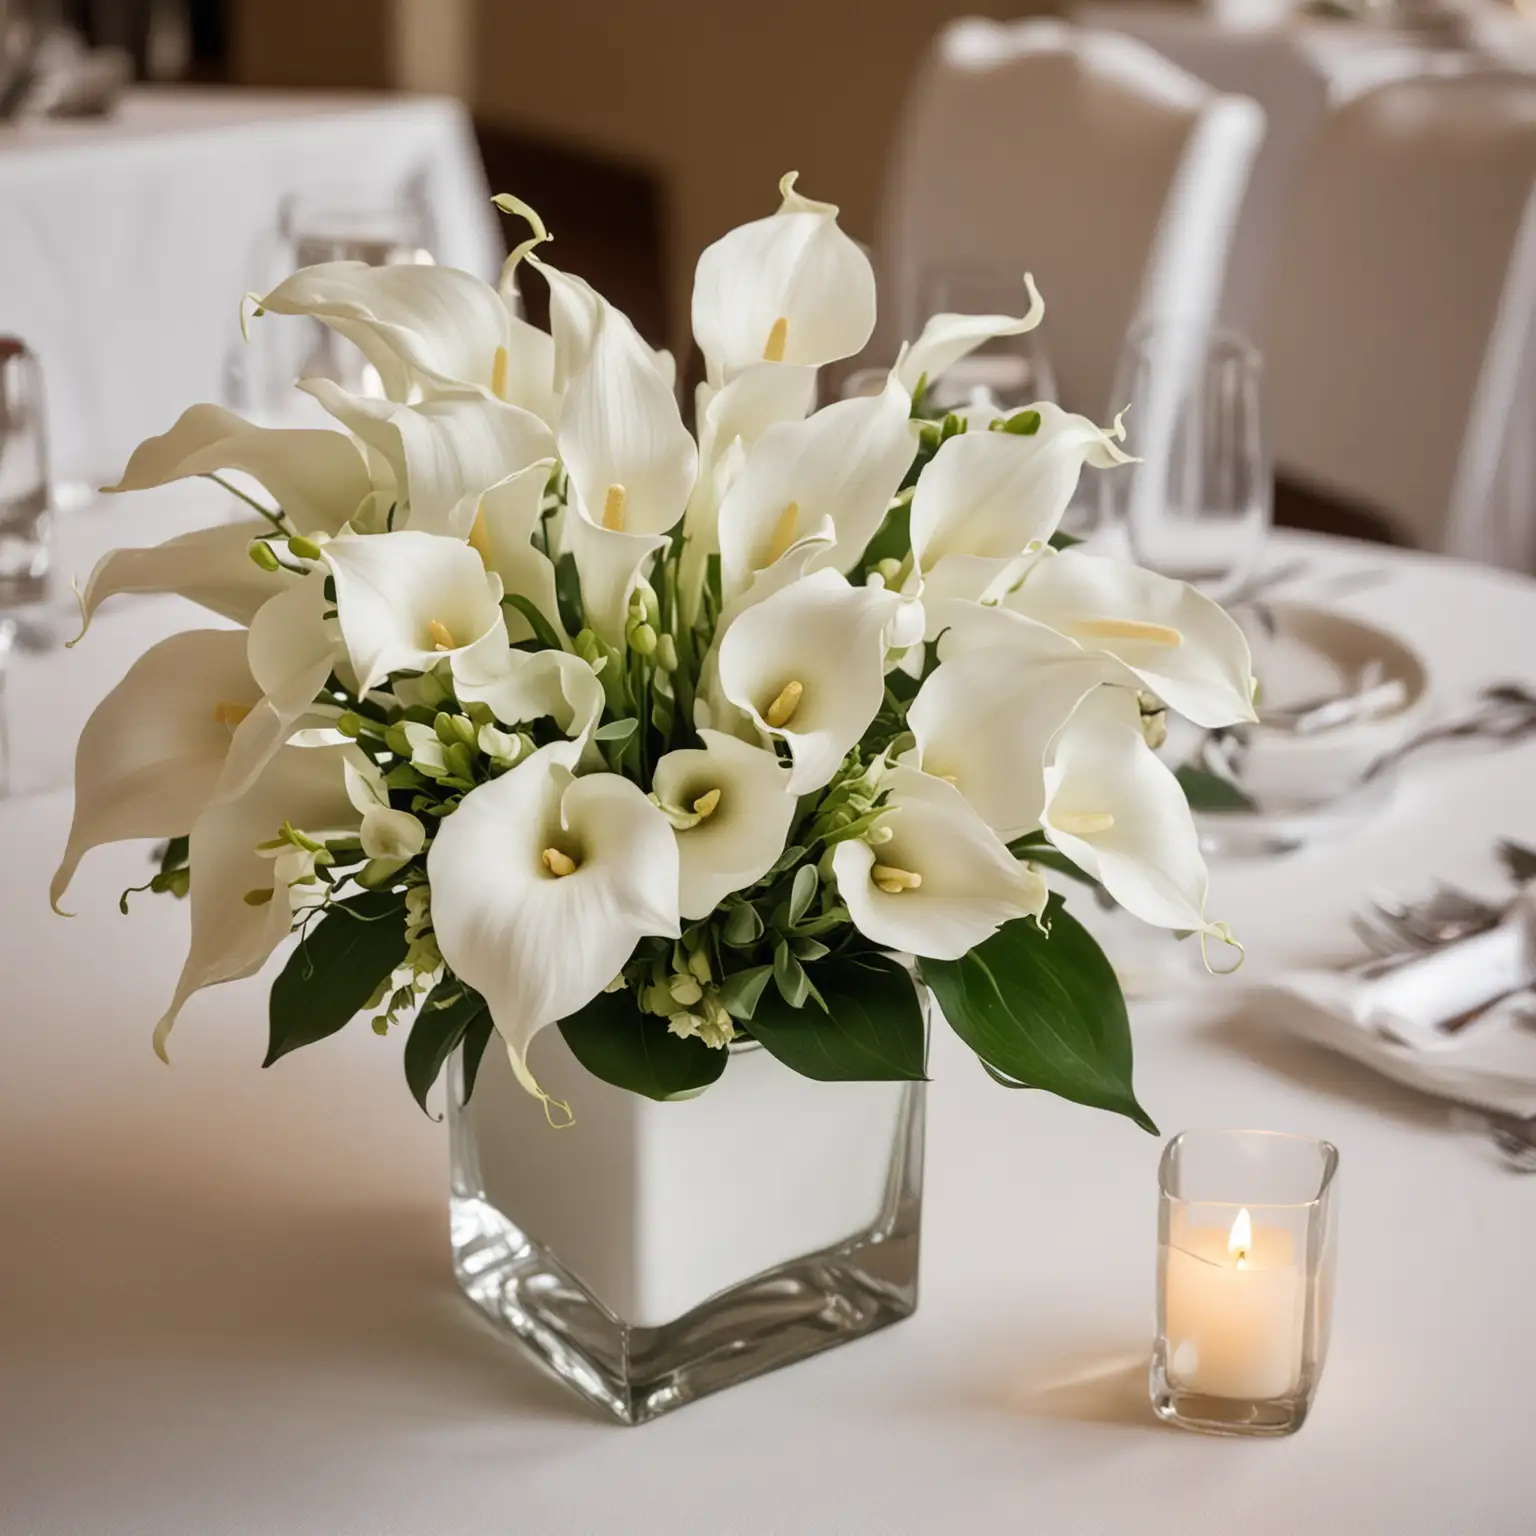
(335, 969)
(1060, 540)
(530, 610)
(568, 593)
(617, 730)
(173, 855)
(613, 1040)
(791, 856)
(741, 990)
(892, 540)
(743, 926)
(808, 949)
(872, 1029)
(1044, 1009)
(440, 1028)
(476, 1038)
(1208, 791)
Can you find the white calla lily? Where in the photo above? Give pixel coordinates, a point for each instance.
(808, 664)
(443, 453)
(233, 936)
(521, 686)
(385, 833)
(406, 601)
(941, 881)
(1117, 811)
(731, 809)
(150, 755)
(993, 496)
(791, 288)
(631, 463)
(986, 716)
(434, 328)
(501, 529)
(1183, 647)
(837, 470)
(947, 338)
(291, 649)
(542, 884)
(211, 567)
(317, 477)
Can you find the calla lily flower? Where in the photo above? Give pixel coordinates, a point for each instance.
(731, 809)
(1182, 646)
(631, 464)
(150, 756)
(993, 496)
(986, 716)
(501, 529)
(209, 567)
(408, 600)
(791, 288)
(543, 883)
(808, 664)
(385, 833)
(838, 469)
(947, 338)
(291, 649)
(940, 882)
(317, 477)
(520, 686)
(233, 935)
(1117, 811)
(443, 453)
(428, 327)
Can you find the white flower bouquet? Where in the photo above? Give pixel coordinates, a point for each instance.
(548, 711)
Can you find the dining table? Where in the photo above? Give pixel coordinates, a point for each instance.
(226, 1302)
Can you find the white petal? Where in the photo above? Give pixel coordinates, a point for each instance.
(970, 884)
(385, 833)
(948, 338)
(317, 477)
(501, 529)
(986, 716)
(1116, 810)
(1183, 647)
(444, 453)
(537, 946)
(830, 639)
(407, 600)
(841, 466)
(231, 938)
(291, 649)
(209, 566)
(151, 753)
(796, 267)
(608, 563)
(997, 494)
(426, 324)
(739, 840)
(523, 686)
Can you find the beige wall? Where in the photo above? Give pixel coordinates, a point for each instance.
(720, 96)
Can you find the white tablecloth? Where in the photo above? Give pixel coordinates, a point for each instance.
(225, 1300)
(125, 245)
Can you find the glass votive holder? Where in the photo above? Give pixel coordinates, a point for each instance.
(1245, 1261)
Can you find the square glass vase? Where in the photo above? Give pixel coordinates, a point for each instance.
(652, 1253)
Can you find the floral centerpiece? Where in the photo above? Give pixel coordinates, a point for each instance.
(548, 711)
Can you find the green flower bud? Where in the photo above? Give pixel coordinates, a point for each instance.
(685, 990)
(666, 653)
(698, 963)
(443, 725)
(642, 638)
(303, 549)
(350, 725)
(263, 554)
(889, 569)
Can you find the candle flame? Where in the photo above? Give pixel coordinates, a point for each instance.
(1240, 1239)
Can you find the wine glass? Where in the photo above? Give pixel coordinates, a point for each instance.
(1199, 503)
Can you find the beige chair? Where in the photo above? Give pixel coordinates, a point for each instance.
(1401, 322)
(1083, 156)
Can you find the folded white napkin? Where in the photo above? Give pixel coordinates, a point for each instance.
(1395, 1022)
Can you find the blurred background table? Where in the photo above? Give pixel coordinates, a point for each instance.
(225, 1299)
(129, 241)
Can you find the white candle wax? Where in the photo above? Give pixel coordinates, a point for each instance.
(1234, 1309)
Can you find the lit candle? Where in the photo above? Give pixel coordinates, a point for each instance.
(1234, 1305)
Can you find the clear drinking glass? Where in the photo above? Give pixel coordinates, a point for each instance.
(655, 1252)
(1200, 502)
(25, 504)
(1245, 1265)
